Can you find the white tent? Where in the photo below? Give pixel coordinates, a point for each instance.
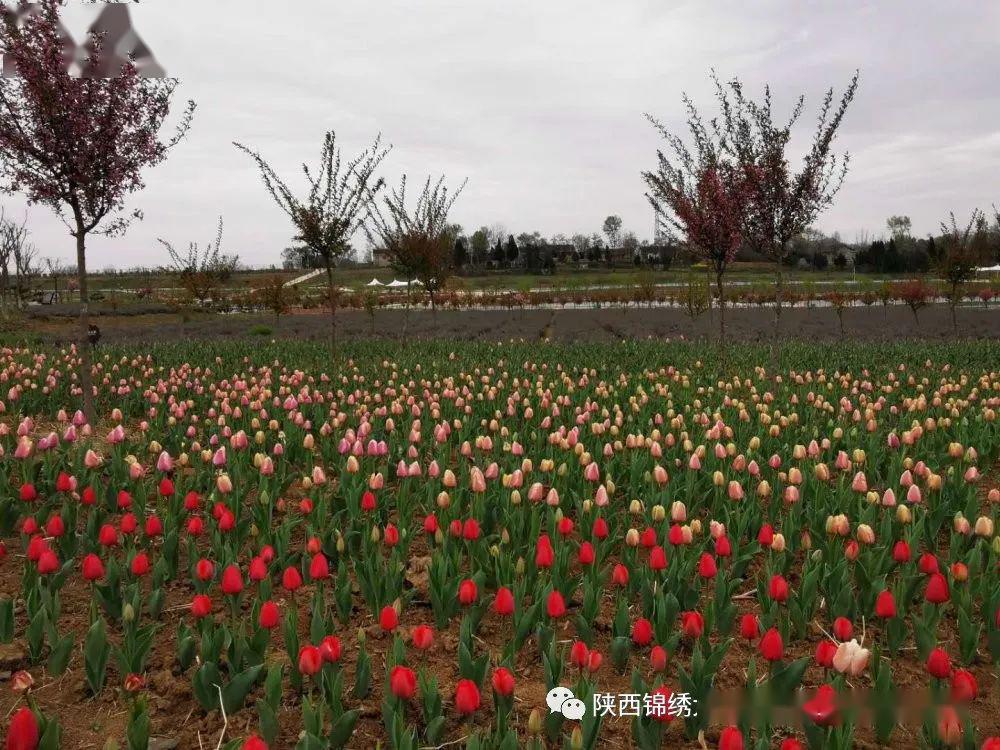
(374, 282)
(989, 269)
(396, 283)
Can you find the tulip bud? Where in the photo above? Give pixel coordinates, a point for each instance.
(903, 514)
(635, 508)
(576, 739)
(128, 613)
(778, 543)
(535, 722)
(984, 527)
(632, 538)
(659, 513)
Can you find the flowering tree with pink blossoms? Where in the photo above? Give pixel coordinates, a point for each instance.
(77, 143)
(702, 196)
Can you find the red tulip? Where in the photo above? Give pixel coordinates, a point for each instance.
(48, 562)
(771, 646)
(291, 579)
(23, 733)
(692, 624)
(937, 589)
(191, 501)
(648, 538)
(140, 564)
(503, 681)
(390, 536)
(368, 501)
(430, 524)
(166, 487)
(901, 552)
(825, 651)
(503, 602)
(992, 743)
(254, 743)
(403, 682)
(731, 738)
(88, 496)
(269, 617)
(204, 570)
(466, 697)
(28, 492)
(319, 568)
(64, 482)
(579, 654)
(388, 619)
(107, 536)
(600, 529)
(790, 743)
(949, 726)
(706, 566)
(544, 555)
(657, 558)
(885, 605)
(842, 629)
(749, 627)
(642, 632)
(594, 660)
(201, 606)
(565, 526)
(467, 592)
(93, 568)
(928, 563)
(154, 526)
(939, 664)
(232, 580)
(766, 535)
(310, 660)
(55, 526)
(778, 589)
(422, 636)
(124, 500)
(822, 707)
(470, 530)
(329, 649)
(619, 575)
(964, 687)
(723, 547)
(556, 605)
(658, 658)
(586, 554)
(258, 569)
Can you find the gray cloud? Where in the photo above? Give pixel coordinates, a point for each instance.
(540, 104)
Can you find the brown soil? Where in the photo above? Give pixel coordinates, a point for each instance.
(743, 325)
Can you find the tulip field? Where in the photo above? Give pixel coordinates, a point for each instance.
(260, 545)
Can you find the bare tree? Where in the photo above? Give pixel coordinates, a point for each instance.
(12, 237)
(959, 253)
(337, 204)
(25, 269)
(202, 270)
(419, 240)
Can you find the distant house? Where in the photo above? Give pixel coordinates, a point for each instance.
(380, 257)
(562, 253)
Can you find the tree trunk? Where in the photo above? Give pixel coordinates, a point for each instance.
(722, 308)
(83, 343)
(333, 308)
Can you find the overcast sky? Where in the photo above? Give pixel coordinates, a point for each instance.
(539, 104)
